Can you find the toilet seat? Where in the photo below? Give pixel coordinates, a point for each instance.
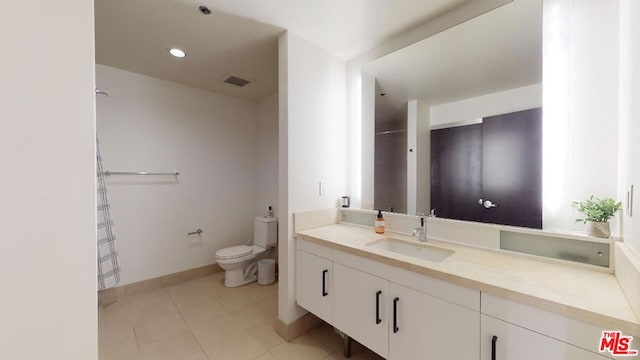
(234, 252)
(237, 254)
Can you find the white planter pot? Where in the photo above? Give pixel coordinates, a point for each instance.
(598, 229)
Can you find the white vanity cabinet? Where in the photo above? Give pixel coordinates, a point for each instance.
(402, 314)
(397, 313)
(398, 322)
(314, 284)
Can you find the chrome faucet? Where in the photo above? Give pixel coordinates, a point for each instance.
(420, 230)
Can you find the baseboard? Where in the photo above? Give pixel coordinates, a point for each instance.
(106, 297)
(299, 327)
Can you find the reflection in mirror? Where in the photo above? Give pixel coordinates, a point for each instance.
(390, 161)
(490, 171)
(487, 67)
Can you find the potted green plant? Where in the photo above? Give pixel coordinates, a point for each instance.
(598, 212)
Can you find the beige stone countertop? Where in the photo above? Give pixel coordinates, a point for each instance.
(574, 291)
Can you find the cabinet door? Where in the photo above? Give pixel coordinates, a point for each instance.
(360, 307)
(424, 327)
(313, 284)
(515, 342)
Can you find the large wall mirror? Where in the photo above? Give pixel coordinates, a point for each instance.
(458, 121)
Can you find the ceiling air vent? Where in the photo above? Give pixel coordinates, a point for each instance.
(233, 80)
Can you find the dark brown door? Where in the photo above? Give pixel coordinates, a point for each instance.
(456, 172)
(499, 161)
(512, 168)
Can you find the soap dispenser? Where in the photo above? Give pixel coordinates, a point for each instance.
(379, 223)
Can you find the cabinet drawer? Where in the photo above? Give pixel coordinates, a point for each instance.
(575, 332)
(315, 249)
(503, 341)
(440, 289)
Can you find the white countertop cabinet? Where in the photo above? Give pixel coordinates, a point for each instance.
(453, 309)
(412, 320)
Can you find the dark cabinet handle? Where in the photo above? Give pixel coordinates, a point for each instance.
(395, 315)
(324, 282)
(494, 340)
(378, 320)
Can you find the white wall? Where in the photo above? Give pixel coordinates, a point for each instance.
(629, 132)
(312, 145)
(47, 211)
(503, 102)
(213, 140)
(267, 156)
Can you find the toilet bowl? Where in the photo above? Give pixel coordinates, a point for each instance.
(235, 261)
(240, 262)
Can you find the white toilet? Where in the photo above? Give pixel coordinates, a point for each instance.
(241, 262)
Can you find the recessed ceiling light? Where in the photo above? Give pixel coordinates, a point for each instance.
(177, 52)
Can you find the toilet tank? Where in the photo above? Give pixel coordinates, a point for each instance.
(265, 231)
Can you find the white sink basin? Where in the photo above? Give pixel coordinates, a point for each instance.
(421, 251)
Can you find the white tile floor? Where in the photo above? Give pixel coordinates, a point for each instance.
(203, 320)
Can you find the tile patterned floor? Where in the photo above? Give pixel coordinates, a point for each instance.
(203, 320)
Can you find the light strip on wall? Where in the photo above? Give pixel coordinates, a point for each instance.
(556, 137)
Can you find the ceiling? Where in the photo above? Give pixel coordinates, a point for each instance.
(240, 37)
(499, 50)
(134, 35)
(345, 28)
